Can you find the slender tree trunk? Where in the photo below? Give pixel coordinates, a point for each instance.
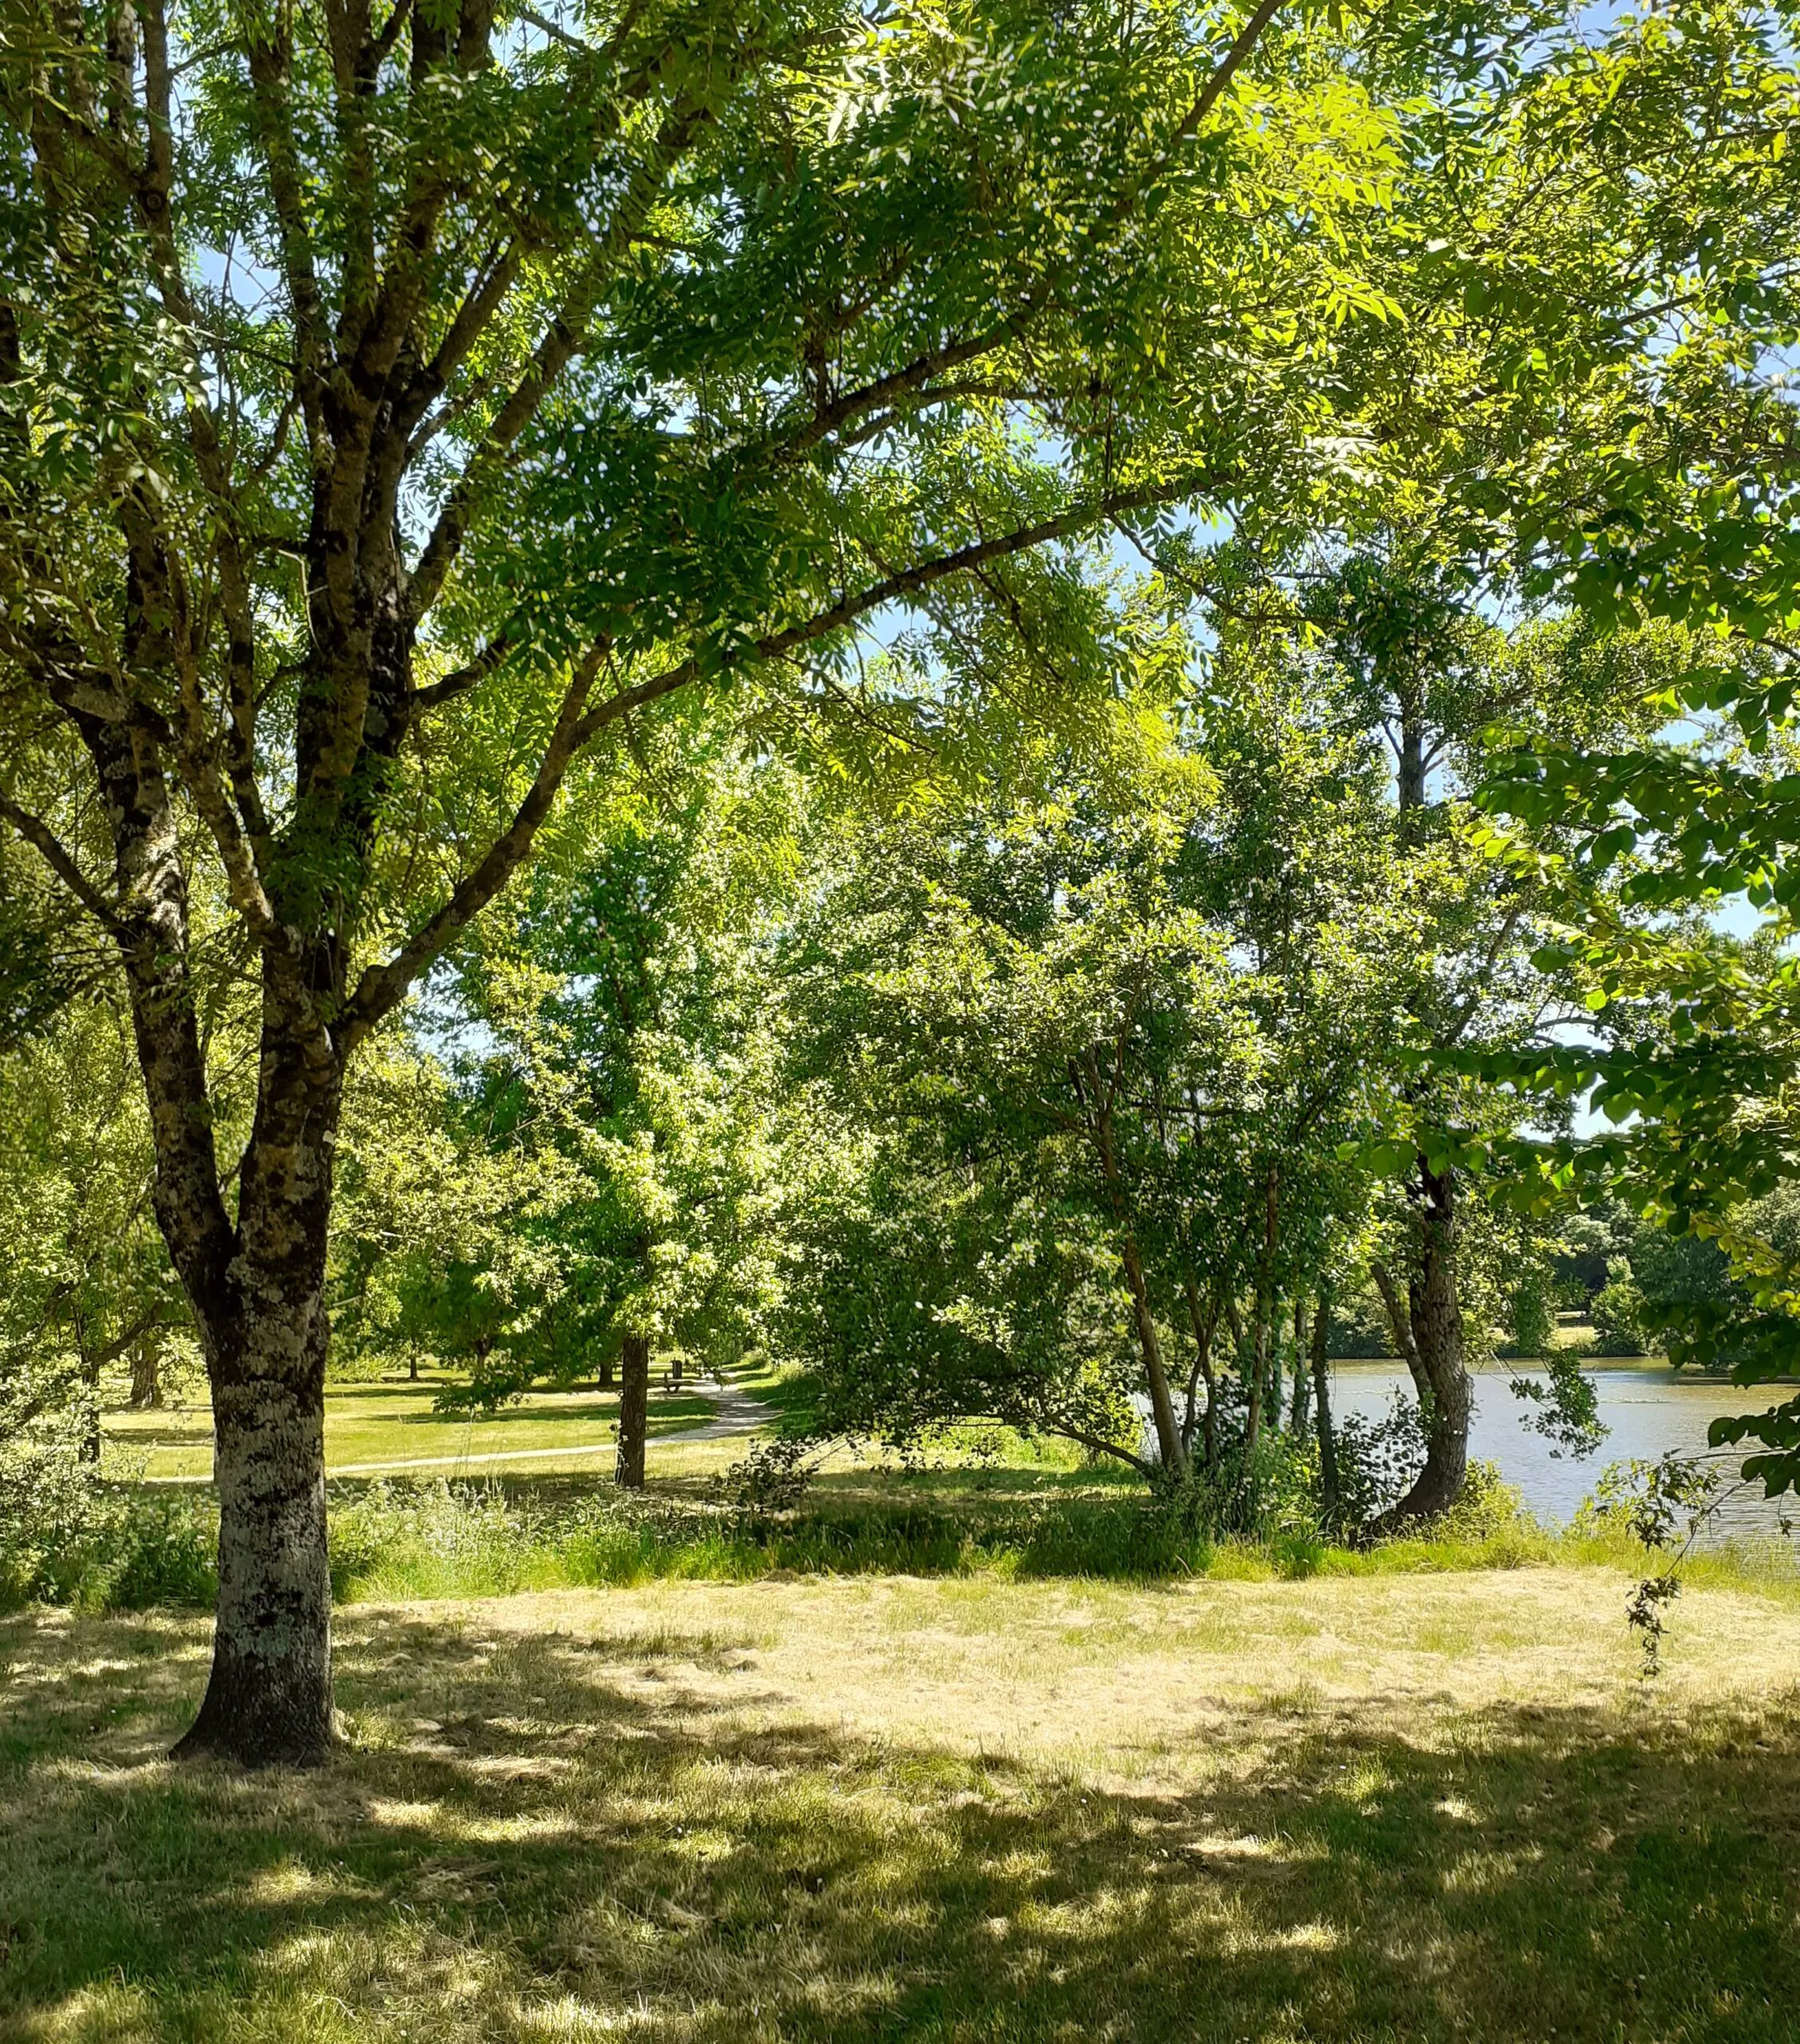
(1428, 1332)
(1322, 1397)
(1203, 1326)
(1169, 1450)
(602, 1374)
(634, 1410)
(1162, 1402)
(1299, 1419)
(1259, 1370)
(1263, 1308)
(90, 1384)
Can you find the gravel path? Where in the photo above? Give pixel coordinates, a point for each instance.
(738, 1413)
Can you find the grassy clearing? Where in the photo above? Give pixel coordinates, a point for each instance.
(394, 1422)
(1417, 1806)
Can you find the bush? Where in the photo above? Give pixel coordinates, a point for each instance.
(108, 1547)
(1378, 1460)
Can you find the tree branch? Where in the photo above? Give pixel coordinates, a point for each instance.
(460, 680)
(562, 341)
(382, 988)
(57, 857)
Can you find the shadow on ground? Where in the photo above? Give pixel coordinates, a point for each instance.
(551, 1837)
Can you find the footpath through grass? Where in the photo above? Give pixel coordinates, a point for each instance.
(1414, 1806)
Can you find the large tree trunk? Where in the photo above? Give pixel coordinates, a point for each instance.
(269, 1696)
(634, 1410)
(1428, 1333)
(265, 1332)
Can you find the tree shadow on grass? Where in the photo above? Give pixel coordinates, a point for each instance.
(549, 1837)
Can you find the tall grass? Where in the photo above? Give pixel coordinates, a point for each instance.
(394, 1542)
(440, 1539)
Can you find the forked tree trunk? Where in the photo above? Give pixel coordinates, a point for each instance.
(634, 1410)
(1204, 1326)
(1169, 1450)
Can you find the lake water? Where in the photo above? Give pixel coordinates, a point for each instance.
(1648, 1408)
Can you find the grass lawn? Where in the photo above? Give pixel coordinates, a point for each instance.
(857, 1809)
(392, 1421)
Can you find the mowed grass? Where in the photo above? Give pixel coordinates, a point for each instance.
(1402, 1807)
(393, 1422)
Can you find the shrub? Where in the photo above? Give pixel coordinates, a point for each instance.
(108, 1547)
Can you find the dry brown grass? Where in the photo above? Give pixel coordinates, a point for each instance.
(1398, 1807)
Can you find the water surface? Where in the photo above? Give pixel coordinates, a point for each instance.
(1649, 1409)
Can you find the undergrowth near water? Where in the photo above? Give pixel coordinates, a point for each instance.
(434, 1538)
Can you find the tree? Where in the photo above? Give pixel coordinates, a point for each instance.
(1667, 497)
(628, 1075)
(1089, 1059)
(396, 407)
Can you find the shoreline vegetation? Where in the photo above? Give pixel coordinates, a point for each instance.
(421, 1537)
(974, 1503)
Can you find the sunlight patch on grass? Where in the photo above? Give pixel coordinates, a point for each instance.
(695, 1813)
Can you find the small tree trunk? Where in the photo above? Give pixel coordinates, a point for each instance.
(1204, 1325)
(1162, 1401)
(146, 1370)
(603, 1372)
(674, 1368)
(634, 1410)
(1299, 1418)
(1259, 1373)
(412, 1366)
(1169, 1450)
(90, 1415)
(1322, 1396)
